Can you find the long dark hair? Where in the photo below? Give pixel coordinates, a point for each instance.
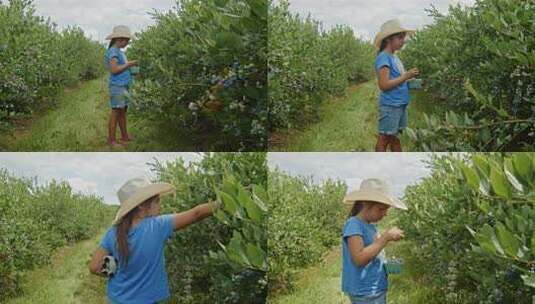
(124, 226)
(356, 209)
(112, 42)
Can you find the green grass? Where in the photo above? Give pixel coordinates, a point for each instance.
(321, 283)
(79, 123)
(349, 123)
(66, 280)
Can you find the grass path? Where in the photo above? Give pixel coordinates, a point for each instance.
(79, 123)
(321, 284)
(349, 122)
(66, 280)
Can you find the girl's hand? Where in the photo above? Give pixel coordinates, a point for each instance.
(411, 73)
(215, 205)
(132, 63)
(394, 234)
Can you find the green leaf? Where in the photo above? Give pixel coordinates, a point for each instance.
(229, 203)
(499, 183)
(256, 256)
(529, 279)
(509, 173)
(261, 197)
(229, 185)
(507, 240)
(523, 165)
(487, 240)
(253, 211)
(482, 164)
(471, 176)
(235, 250)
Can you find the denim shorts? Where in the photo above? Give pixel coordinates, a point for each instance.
(392, 120)
(119, 96)
(379, 298)
(110, 301)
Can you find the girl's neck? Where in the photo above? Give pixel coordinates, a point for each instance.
(138, 219)
(362, 217)
(389, 49)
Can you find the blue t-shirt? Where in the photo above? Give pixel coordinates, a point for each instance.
(398, 96)
(144, 279)
(123, 78)
(361, 281)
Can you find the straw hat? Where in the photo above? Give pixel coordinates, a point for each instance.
(120, 31)
(388, 28)
(136, 191)
(374, 190)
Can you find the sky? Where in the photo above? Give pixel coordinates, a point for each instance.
(366, 16)
(397, 169)
(89, 173)
(98, 17)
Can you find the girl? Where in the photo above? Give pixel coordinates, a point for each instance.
(364, 278)
(137, 242)
(120, 78)
(392, 80)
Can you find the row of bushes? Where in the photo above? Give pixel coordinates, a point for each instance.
(478, 61)
(37, 60)
(35, 220)
(304, 223)
(471, 225)
(203, 69)
(307, 63)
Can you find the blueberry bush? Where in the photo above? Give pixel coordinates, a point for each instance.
(37, 60)
(307, 63)
(479, 62)
(35, 220)
(224, 258)
(471, 223)
(203, 69)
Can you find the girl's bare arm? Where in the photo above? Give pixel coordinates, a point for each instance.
(117, 68)
(363, 255)
(195, 214)
(386, 84)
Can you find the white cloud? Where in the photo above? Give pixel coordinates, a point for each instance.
(98, 17)
(398, 169)
(90, 173)
(365, 17)
(82, 185)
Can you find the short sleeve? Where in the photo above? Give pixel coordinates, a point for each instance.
(166, 224)
(381, 61)
(353, 227)
(107, 241)
(113, 53)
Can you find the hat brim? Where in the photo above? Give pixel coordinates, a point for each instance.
(140, 196)
(373, 196)
(382, 35)
(112, 36)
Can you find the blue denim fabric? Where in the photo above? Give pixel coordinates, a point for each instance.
(392, 120)
(119, 96)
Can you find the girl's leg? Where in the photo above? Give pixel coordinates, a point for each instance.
(395, 144)
(112, 124)
(124, 131)
(122, 124)
(382, 143)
